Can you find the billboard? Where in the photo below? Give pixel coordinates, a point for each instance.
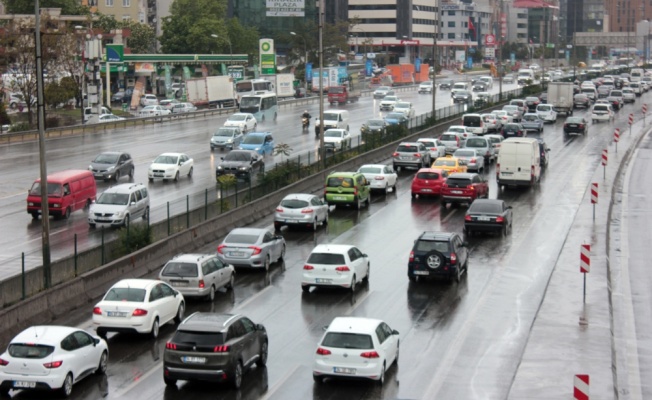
(285, 8)
(267, 57)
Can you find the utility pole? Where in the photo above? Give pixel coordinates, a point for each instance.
(322, 150)
(500, 53)
(435, 54)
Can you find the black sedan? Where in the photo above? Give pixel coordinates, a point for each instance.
(575, 125)
(581, 100)
(241, 163)
(488, 215)
(446, 84)
(463, 96)
(375, 125)
(513, 130)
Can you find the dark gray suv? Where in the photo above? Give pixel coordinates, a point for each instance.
(438, 254)
(214, 347)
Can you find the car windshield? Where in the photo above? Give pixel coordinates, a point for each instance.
(464, 153)
(237, 117)
(333, 133)
(342, 340)
(336, 90)
(113, 198)
(326, 258)
(375, 122)
(54, 189)
(427, 175)
(294, 203)
(531, 99)
(165, 160)
(407, 148)
(241, 238)
(494, 140)
(370, 170)
(476, 142)
(395, 116)
(458, 130)
(238, 156)
(615, 93)
(472, 121)
(106, 158)
(428, 143)
(530, 118)
(29, 350)
(337, 181)
(448, 137)
(180, 269)
(458, 182)
(150, 108)
(390, 98)
(510, 108)
(331, 117)
(253, 139)
(125, 294)
(224, 133)
(444, 163)
(383, 89)
(510, 127)
(544, 108)
(427, 246)
(402, 105)
(485, 207)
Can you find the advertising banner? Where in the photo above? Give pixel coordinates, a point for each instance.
(309, 72)
(267, 57)
(285, 8)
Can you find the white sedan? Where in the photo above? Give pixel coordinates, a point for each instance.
(51, 358)
(170, 166)
(404, 107)
(245, 121)
(301, 209)
(335, 265)
(337, 139)
(355, 347)
(153, 111)
(435, 147)
(138, 305)
(380, 176)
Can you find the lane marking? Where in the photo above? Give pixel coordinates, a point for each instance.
(272, 391)
(138, 379)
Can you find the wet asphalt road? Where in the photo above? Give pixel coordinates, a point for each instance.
(458, 341)
(20, 166)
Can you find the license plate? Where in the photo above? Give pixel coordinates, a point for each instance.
(322, 280)
(421, 273)
(99, 174)
(290, 221)
(179, 284)
(158, 175)
(484, 219)
(23, 384)
(339, 198)
(457, 191)
(506, 173)
(236, 254)
(573, 126)
(340, 370)
(426, 190)
(194, 360)
(116, 314)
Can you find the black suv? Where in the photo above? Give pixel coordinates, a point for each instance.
(214, 347)
(438, 254)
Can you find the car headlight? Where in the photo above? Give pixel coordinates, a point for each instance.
(257, 148)
(219, 168)
(30, 204)
(169, 170)
(90, 167)
(242, 168)
(230, 141)
(55, 205)
(119, 214)
(111, 168)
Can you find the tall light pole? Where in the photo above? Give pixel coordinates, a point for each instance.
(435, 55)
(322, 150)
(78, 29)
(305, 60)
(230, 48)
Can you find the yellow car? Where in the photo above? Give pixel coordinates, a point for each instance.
(450, 164)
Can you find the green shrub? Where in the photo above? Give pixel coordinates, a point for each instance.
(134, 237)
(19, 127)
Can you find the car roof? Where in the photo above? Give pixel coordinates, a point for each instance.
(191, 257)
(354, 325)
(136, 283)
(123, 187)
(373, 165)
(238, 114)
(300, 196)
(343, 174)
(171, 154)
(259, 133)
(488, 201)
(207, 322)
(249, 231)
(437, 170)
(44, 334)
(437, 236)
(332, 248)
(462, 175)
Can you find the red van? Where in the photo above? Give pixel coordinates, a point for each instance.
(68, 191)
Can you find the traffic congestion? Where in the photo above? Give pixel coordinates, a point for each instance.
(420, 256)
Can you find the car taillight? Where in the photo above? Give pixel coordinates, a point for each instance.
(433, 149)
(279, 209)
(411, 256)
(473, 160)
(3, 362)
(380, 178)
(307, 211)
(532, 171)
(343, 268)
(201, 284)
(582, 126)
(500, 219)
(53, 364)
(139, 312)
(417, 155)
(221, 348)
(370, 354)
(519, 133)
(323, 352)
(395, 155)
(355, 192)
(497, 168)
(308, 267)
(97, 311)
(470, 187)
(457, 140)
(256, 249)
(171, 346)
(453, 258)
(220, 248)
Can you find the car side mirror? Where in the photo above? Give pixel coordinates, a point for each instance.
(465, 244)
(260, 327)
(509, 207)
(395, 332)
(95, 342)
(133, 203)
(278, 237)
(222, 158)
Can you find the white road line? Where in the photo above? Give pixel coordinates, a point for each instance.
(358, 302)
(271, 391)
(446, 218)
(137, 380)
(252, 298)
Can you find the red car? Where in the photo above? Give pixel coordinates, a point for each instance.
(428, 182)
(464, 188)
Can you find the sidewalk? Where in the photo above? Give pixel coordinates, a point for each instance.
(595, 338)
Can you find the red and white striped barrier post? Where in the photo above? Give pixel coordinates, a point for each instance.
(605, 156)
(631, 122)
(581, 387)
(594, 197)
(585, 265)
(644, 112)
(616, 138)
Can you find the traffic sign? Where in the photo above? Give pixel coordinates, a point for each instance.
(631, 119)
(585, 258)
(604, 157)
(581, 387)
(617, 135)
(490, 40)
(594, 193)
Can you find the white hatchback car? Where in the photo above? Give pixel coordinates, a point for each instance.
(340, 265)
(138, 305)
(51, 358)
(170, 166)
(404, 107)
(547, 113)
(301, 209)
(435, 147)
(602, 112)
(120, 205)
(380, 176)
(354, 347)
(245, 121)
(149, 100)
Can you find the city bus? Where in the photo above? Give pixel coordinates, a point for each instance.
(263, 106)
(248, 87)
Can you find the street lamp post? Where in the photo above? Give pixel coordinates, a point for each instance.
(435, 55)
(230, 48)
(78, 28)
(305, 60)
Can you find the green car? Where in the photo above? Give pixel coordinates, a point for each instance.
(347, 188)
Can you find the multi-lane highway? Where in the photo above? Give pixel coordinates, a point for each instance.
(20, 166)
(458, 341)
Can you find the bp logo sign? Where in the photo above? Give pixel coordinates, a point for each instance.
(265, 46)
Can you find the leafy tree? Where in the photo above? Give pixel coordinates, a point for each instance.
(4, 117)
(143, 36)
(68, 7)
(190, 25)
(55, 94)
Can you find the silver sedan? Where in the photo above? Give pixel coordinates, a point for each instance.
(301, 209)
(251, 247)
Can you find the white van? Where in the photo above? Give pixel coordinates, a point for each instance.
(474, 123)
(636, 74)
(525, 74)
(519, 162)
(460, 87)
(334, 119)
(89, 111)
(636, 87)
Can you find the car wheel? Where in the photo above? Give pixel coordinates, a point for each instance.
(182, 310)
(190, 172)
(386, 189)
(176, 177)
(414, 196)
(314, 225)
(91, 226)
(255, 126)
(353, 284)
(116, 177)
(262, 359)
(412, 278)
(282, 255)
(67, 214)
(211, 295)
(4, 392)
(317, 378)
(504, 231)
(146, 214)
(236, 381)
(305, 288)
(231, 284)
(458, 274)
(151, 179)
(381, 378)
(357, 204)
(101, 367)
(66, 388)
(267, 262)
(325, 221)
(366, 277)
(34, 215)
(368, 201)
(126, 221)
(169, 381)
(131, 172)
(155, 327)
